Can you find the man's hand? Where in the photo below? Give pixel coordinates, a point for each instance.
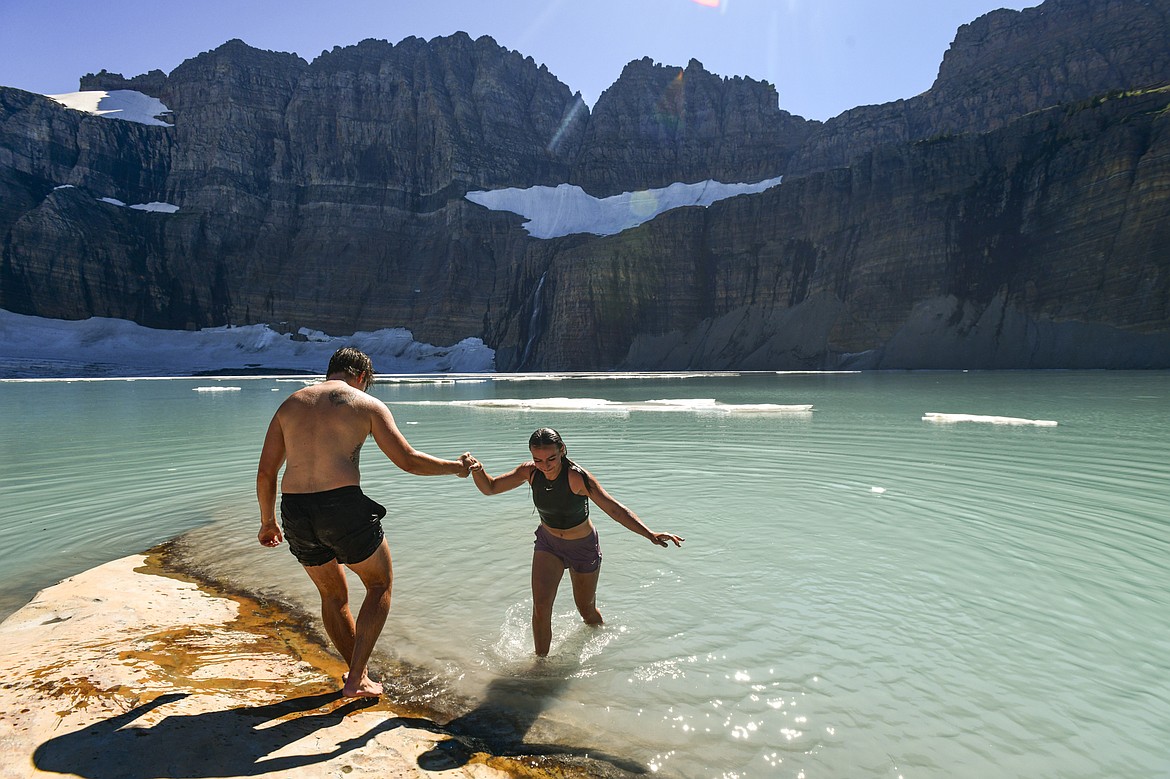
(270, 534)
(470, 463)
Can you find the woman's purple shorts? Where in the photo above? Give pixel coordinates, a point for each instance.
(583, 555)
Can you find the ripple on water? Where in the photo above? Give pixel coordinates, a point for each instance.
(861, 593)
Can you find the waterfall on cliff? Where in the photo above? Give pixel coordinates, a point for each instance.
(533, 322)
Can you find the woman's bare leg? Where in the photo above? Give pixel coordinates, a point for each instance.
(547, 571)
(585, 595)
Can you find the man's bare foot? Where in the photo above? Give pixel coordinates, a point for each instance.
(365, 688)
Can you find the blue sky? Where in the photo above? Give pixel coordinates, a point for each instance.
(823, 56)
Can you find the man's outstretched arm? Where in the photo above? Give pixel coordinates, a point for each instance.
(395, 446)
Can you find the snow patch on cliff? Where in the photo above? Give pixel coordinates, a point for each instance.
(552, 212)
(154, 205)
(125, 104)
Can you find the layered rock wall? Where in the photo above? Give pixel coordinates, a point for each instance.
(659, 124)
(1038, 245)
(1013, 216)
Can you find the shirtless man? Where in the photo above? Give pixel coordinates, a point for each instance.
(317, 434)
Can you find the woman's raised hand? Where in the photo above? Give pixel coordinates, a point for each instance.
(663, 539)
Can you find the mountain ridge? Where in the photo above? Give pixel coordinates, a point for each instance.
(330, 194)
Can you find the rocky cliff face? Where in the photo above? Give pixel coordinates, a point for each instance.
(1006, 64)
(327, 194)
(657, 125)
(1012, 216)
(1039, 245)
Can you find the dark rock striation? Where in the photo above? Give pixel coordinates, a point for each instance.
(1015, 215)
(657, 125)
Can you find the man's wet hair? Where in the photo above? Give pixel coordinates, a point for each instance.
(353, 362)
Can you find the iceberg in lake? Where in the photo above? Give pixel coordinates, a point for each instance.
(934, 416)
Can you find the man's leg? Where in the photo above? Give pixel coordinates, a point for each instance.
(330, 581)
(547, 571)
(377, 575)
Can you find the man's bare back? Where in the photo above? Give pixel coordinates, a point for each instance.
(324, 427)
(316, 436)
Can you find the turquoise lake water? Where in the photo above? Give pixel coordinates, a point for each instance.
(862, 592)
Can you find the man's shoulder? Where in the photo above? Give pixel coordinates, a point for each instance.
(337, 394)
(330, 395)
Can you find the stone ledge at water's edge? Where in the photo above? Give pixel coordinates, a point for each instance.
(133, 671)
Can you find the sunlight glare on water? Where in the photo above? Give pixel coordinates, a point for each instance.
(862, 592)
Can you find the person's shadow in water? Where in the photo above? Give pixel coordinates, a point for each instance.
(233, 742)
(500, 725)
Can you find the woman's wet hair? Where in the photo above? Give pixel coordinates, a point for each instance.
(546, 436)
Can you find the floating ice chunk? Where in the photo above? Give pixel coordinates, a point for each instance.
(710, 404)
(766, 408)
(543, 404)
(692, 405)
(625, 375)
(877, 490)
(934, 416)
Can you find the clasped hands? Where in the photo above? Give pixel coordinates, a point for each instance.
(470, 463)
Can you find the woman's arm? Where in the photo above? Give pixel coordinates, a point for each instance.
(494, 485)
(615, 509)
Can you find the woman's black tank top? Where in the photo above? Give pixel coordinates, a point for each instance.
(558, 505)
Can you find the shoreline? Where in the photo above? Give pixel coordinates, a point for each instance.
(140, 669)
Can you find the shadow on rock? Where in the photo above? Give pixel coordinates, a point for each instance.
(234, 742)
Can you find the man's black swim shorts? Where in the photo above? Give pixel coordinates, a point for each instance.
(341, 523)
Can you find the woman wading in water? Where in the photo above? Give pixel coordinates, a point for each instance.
(566, 538)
